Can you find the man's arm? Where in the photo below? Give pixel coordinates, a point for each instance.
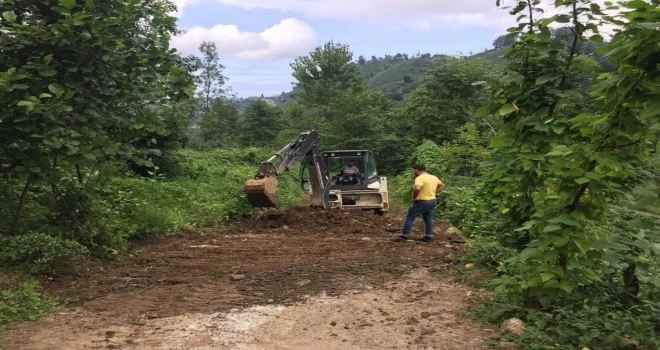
(440, 187)
(416, 192)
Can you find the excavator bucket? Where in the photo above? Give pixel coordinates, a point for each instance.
(261, 192)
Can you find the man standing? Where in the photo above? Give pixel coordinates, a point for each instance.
(424, 192)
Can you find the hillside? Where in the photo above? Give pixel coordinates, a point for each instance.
(494, 56)
(395, 76)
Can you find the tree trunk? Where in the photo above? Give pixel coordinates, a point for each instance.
(81, 178)
(21, 205)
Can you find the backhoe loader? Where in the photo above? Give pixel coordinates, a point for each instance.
(321, 177)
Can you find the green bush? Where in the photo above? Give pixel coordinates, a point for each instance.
(614, 313)
(460, 157)
(116, 205)
(40, 253)
(23, 303)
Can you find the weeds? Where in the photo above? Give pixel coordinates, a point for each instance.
(23, 303)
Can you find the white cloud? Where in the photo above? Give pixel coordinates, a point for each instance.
(289, 38)
(458, 13)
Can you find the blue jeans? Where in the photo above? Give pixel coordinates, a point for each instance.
(348, 179)
(423, 208)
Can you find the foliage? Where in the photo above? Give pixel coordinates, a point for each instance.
(40, 253)
(23, 303)
(210, 77)
(325, 73)
(503, 41)
(446, 99)
(396, 77)
(218, 126)
(79, 83)
(219, 116)
(460, 157)
(563, 153)
(335, 101)
(259, 125)
(121, 206)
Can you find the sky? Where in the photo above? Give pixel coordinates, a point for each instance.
(258, 39)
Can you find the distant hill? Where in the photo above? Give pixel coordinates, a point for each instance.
(396, 75)
(493, 55)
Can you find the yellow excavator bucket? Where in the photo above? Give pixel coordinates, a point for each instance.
(261, 192)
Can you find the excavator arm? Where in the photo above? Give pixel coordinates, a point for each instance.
(261, 189)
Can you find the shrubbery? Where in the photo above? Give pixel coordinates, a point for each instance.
(616, 312)
(117, 205)
(40, 253)
(23, 303)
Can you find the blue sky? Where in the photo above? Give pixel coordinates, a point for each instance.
(258, 39)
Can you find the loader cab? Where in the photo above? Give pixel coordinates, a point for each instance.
(363, 160)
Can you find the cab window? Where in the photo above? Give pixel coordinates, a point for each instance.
(371, 167)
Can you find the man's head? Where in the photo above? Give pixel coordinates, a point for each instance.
(351, 162)
(419, 169)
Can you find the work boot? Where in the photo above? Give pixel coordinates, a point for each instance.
(425, 239)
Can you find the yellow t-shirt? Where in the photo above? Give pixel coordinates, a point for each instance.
(429, 184)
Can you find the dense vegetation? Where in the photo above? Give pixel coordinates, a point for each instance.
(550, 153)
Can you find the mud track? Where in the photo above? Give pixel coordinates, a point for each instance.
(334, 275)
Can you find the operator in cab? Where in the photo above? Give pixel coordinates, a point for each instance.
(423, 203)
(348, 173)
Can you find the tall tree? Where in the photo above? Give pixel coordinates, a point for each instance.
(79, 82)
(218, 127)
(211, 78)
(259, 124)
(447, 98)
(328, 71)
(219, 117)
(564, 153)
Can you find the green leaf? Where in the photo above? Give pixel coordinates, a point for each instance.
(508, 109)
(551, 228)
(545, 78)
(546, 276)
(67, 4)
(45, 95)
(90, 5)
(566, 287)
(27, 104)
(566, 220)
(652, 109)
(47, 72)
(582, 180)
(590, 274)
(583, 246)
(56, 89)
(9, 16)
(496, 142)
(559, 241)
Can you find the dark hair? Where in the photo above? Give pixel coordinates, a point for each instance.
(420, 167)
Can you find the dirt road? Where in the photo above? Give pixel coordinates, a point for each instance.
(303, 279)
